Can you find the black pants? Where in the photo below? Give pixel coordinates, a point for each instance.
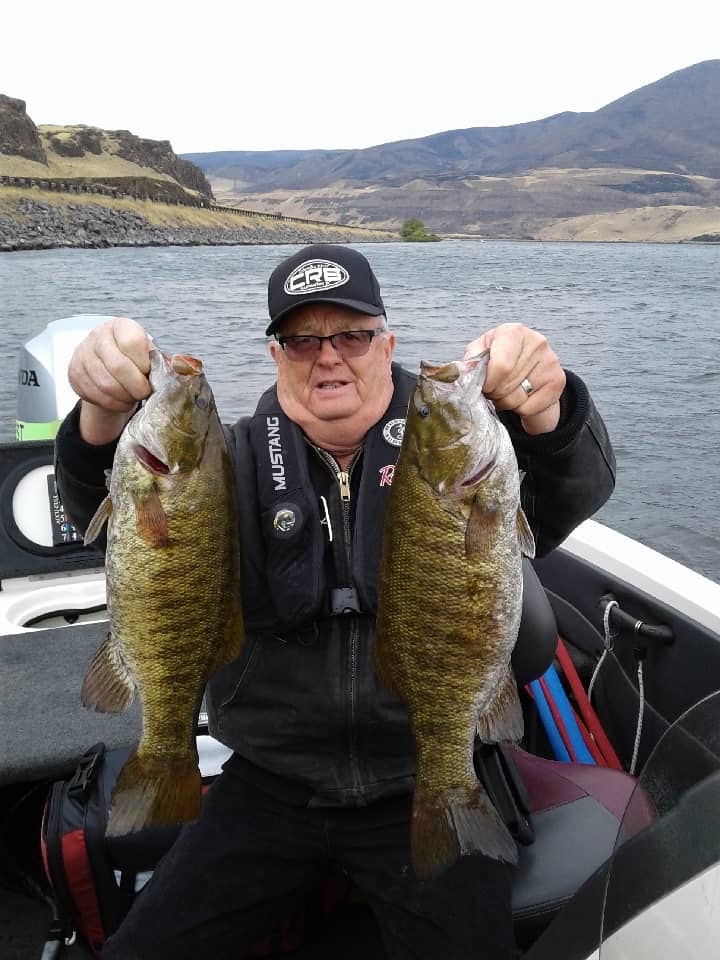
(252, 857)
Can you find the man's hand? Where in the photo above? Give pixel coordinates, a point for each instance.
(109, 372)
(520, 355)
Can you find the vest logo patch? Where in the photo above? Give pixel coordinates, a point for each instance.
(277, 465)
(314, 276)
(287, 522)
(386, 475)
(284, 521)
(393, 431)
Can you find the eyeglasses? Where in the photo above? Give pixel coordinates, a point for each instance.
(348, 343)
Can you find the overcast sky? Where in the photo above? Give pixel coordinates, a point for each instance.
(283, 74)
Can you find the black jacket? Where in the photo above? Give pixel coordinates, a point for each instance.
(302, 700)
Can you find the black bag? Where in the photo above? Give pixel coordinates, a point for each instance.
(94, 878)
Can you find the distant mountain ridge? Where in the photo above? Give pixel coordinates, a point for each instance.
(644, 167)
(671, 125)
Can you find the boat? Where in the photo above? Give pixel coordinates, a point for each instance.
(625, 863)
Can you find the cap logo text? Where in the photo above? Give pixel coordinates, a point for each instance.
(314, 276)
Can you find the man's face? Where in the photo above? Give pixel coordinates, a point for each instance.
(326, 387)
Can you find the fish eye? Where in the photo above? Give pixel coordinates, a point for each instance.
(200, 402)
(424, 410)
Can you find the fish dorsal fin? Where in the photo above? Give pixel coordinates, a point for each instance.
(525, 535)
(100, 517)
(108, 685)
(150, 519)
(479, 529)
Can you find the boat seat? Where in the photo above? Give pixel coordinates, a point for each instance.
(576, 808)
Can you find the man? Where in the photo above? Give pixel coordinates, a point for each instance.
(323, 765)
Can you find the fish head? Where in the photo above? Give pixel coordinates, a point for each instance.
(452, 429)
(170, 430)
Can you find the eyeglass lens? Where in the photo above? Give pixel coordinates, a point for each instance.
(348, 343)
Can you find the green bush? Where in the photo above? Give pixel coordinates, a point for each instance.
(416, 231)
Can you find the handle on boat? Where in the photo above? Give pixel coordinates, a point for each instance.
(626, 622)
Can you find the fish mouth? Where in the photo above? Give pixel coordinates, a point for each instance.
(149, 461)
(480, 474)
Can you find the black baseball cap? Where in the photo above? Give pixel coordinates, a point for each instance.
(323, 273)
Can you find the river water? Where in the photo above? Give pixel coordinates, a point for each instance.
(639, 322)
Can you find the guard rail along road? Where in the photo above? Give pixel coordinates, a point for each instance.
(190, 200)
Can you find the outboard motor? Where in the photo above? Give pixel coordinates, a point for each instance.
(47, 575)
(44, 395)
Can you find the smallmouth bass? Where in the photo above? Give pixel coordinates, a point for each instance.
(450, 600)
(172, 569)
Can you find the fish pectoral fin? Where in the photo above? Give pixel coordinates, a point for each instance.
(478, 529)
(108, 686)
(525, 534)
(150, 519)
(453, 823)
(502, 720)
(99, 519)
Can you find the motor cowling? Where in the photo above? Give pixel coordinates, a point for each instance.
(44, 395)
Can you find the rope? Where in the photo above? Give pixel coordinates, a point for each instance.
(641, 713)
(608, 641)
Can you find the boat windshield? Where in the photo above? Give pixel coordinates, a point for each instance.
(662, 894)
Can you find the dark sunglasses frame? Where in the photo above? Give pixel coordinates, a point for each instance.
(312, 338)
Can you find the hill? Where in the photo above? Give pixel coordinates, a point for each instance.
(79, 186)
(656, 147)
(88, 153)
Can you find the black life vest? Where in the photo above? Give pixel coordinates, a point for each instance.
(291, 532)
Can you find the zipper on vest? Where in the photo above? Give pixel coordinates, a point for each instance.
(352, 685)
(343, 479)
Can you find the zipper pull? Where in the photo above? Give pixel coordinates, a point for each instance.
(343, 478)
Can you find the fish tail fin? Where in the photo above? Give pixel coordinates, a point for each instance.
(150, 792)
(456, 822)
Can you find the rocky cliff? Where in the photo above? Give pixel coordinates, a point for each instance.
(66, 151)
(18, 134)
(159, 155)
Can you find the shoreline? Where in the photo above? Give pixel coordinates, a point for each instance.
(43, 220)
(36, 219)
